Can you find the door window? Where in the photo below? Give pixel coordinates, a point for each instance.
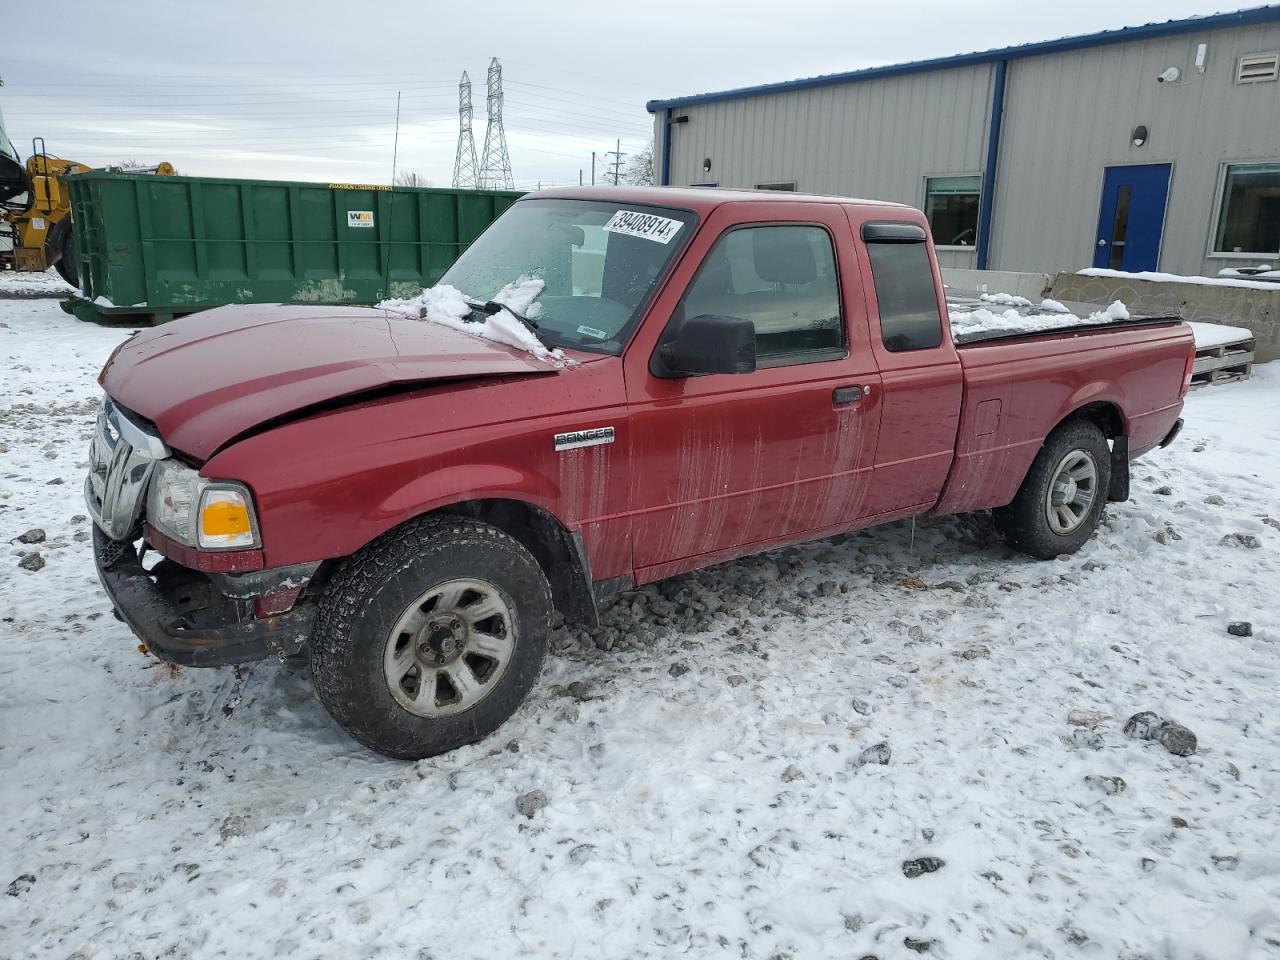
(782, 279)
(1120, 226)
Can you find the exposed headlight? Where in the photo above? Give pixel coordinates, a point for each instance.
(209, 514)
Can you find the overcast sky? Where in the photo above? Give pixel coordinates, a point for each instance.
(306, 89)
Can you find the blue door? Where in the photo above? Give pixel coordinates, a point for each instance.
(1132, 217)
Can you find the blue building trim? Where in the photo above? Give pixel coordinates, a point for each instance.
(988, 198)
(665, 179)
(1241, 18)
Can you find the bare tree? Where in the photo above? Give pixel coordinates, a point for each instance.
(412, 178)
(639, 171)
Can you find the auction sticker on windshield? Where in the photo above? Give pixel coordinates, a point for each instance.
(647, 225)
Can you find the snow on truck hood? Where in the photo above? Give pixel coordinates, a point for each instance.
(207, 378)
(449, 307)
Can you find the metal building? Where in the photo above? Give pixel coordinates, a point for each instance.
(1151, 147)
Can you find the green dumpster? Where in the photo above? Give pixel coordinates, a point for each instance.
(152, 248)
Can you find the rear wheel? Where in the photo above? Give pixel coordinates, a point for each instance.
(431, 636)
(66, 265)
(1061, 500)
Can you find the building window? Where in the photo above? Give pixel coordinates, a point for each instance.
(951, 204)
(782, 279)
(905, 295)
(777, 185)
(1249, 210)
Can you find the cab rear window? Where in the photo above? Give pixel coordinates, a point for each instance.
(903, 278)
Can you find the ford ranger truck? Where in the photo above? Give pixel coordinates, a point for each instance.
(407, 503)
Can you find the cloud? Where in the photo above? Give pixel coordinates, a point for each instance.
(307, 88)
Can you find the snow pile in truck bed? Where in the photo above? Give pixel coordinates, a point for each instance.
(965, 320)
(449, 307)
(713, 785)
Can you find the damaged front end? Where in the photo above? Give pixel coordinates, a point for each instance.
(196, 606)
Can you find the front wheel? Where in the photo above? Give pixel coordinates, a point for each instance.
(431, 636)
(1061, 500)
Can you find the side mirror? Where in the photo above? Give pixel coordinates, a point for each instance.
(708, 344)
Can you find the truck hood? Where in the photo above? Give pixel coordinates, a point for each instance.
(210, 377)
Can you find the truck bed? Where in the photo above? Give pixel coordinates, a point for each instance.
(1019, 383)
(982, 318)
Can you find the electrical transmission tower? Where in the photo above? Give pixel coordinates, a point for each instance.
(495, 170)
(464, 164)
(615, 175)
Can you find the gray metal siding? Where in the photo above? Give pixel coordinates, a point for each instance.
(1067, 116)
(875, 139)
(1070, 115)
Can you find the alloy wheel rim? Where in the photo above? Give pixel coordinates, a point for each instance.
(450, 647)
(1072, 492)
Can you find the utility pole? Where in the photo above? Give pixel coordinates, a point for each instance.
(395, 147)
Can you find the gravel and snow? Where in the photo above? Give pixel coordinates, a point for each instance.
(17, 284)
(905, 740)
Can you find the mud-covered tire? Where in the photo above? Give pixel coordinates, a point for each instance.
(66, 265)
(366, 601)
(1026, 523)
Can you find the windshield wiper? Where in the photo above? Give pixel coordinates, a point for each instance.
(491, 307)
(527, 321)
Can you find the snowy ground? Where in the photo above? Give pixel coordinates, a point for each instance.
(705, 791)
(20, 284)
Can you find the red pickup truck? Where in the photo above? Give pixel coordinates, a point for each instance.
(407, 502)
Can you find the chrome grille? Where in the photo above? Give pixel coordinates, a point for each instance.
(122, 456)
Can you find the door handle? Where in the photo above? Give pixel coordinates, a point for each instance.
(843, 396)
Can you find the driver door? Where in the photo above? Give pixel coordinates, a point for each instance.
(726, 464)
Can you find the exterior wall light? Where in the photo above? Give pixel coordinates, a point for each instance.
(706, 165)
(1139, 136)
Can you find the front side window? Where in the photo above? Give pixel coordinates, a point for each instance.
(599, 263)
(782, 279)
(905, 295)
(1249, 214)
(951, 204)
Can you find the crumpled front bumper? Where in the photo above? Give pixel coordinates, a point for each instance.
(170, 634)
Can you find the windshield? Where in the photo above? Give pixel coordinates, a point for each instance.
(599, 262)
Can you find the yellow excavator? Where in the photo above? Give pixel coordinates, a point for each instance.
(35, 209)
